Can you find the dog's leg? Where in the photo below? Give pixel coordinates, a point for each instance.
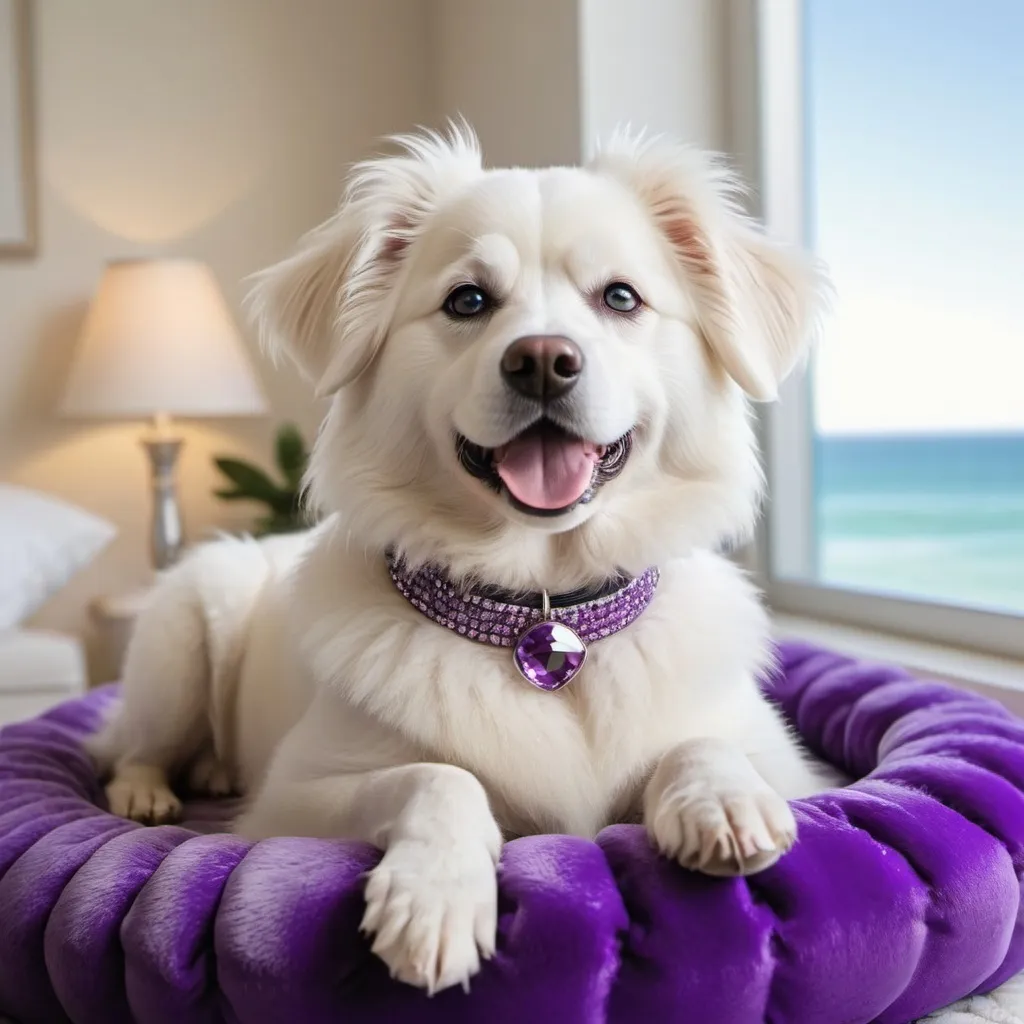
(431, 903)
(162, 720)
(190, 634)
(707, 807)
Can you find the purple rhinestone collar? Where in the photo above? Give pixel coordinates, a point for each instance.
(549, 643)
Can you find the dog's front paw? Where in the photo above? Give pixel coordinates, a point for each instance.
(707, 808)
(433, 912)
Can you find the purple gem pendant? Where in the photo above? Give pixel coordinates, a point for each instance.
(549, 654)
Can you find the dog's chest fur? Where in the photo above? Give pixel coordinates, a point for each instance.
(570, 761)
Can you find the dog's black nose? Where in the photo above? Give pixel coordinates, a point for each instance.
(542, 366)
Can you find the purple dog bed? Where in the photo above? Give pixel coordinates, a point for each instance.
(902, 894)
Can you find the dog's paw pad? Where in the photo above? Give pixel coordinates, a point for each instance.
(727, 832)
(432, 913)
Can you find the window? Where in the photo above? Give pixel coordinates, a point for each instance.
(892, 142)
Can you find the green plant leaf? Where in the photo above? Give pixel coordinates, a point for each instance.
(250, 481)
(284, 504)
(291, 454)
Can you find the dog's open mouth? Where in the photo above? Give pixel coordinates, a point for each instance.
(545, 470)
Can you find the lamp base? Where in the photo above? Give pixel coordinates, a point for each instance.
(167, 537)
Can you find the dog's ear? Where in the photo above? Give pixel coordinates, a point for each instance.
(327, 306)
(759, 304)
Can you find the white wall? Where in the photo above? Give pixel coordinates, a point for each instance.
(657, 64)
(219, 130)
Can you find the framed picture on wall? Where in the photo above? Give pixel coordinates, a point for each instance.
(17, 172)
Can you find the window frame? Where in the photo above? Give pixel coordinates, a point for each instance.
(768, 117)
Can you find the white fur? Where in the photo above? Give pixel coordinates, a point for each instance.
(294, 670)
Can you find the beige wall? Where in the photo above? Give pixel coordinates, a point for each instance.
(544, 80)
(511, 67)
(218, 130)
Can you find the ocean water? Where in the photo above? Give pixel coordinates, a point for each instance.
(939, 517)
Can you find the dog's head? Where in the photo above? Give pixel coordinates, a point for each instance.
(539, 375)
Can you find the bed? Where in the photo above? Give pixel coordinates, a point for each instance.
(901, 896)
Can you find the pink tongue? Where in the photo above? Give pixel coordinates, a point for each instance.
(547, 471)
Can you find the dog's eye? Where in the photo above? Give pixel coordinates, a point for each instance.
(621, 298)
(467, 300)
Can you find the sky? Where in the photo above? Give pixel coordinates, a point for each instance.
(915, 150)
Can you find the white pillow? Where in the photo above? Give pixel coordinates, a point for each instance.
(43, 543)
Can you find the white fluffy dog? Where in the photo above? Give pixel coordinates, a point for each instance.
(538, 383)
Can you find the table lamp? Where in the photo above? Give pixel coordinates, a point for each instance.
(159, 341)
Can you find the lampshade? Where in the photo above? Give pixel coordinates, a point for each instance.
(159, 339)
